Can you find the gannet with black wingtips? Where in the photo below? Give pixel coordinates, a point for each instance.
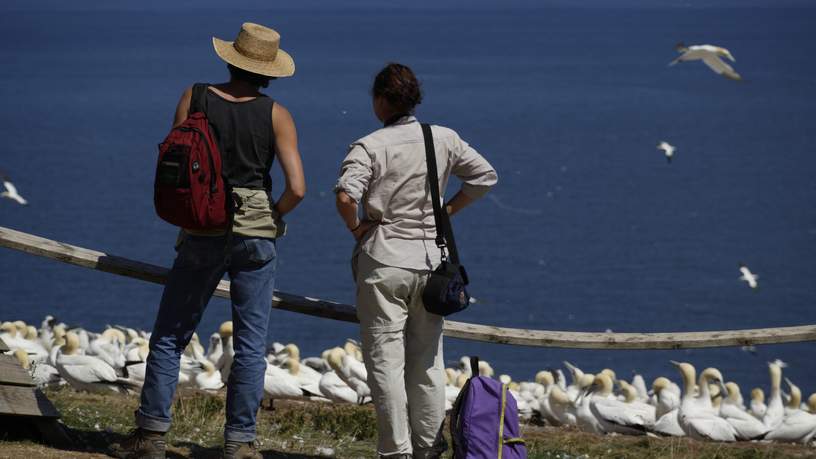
(745, 424)
(797, 425)
(696, 415)
(614, 416)
(710, 55)
(89, 373)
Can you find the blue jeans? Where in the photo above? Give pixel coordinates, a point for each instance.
(200, 264)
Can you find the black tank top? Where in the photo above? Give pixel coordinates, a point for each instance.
(243, 131)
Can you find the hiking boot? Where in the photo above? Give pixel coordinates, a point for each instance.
(140, 444)
(241, 450)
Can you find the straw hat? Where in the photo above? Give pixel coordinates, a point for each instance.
(256, 50)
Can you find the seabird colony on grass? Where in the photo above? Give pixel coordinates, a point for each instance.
(706, 407)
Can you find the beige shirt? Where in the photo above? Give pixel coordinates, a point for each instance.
(386, 172)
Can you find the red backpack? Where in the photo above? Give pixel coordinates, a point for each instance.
(188, 190)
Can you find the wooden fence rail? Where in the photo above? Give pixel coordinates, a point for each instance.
(101, 261)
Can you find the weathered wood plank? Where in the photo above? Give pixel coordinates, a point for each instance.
(312, 306)
(25, 401)
(11, 373)
(3, 347)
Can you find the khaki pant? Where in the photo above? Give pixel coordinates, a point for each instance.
(402, 349)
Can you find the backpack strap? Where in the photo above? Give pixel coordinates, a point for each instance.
(198, 101)
(474, 366)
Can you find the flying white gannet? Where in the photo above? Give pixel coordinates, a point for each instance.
(748, 276)
(11, 192)
(710, 55)
(668, 149)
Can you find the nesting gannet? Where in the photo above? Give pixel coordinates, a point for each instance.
(696, 415)
(136, 360)
(209, 378)
(307, 378)
(224, 364)
(667, 408)
(668, 150)
(640, 386)
(333, 388)
(561, 407)
(668, 397)
(710, 55)
(797, 425)
(214, 349)
(612, 415)
(43, 374)
(85, 372)
(351, 371)
(547, 381)
(15, 335)
(757, 406)
(109, 348)
(746, 425)
(775, 410)
(279, 383)
(811, 403)
(11, 192)
(748, 276)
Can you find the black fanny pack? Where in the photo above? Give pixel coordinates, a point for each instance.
(445, 291)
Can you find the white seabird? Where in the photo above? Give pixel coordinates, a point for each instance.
(86, 372)
(696, 415)
(757, 406)
(668, 149)
(748, 276)
(11, 192)
(710, 55)
(775, 410)
(746, 425)
(797, 425)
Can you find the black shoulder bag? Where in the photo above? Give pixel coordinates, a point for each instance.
(445, 291)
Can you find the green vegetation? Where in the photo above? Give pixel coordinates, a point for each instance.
(311, 429)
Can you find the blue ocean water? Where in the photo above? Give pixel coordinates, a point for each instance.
(589, 228)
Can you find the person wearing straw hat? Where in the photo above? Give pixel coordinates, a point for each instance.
(386, 174)
(251, 130)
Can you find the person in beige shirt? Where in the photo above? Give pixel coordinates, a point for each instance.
(386, 173)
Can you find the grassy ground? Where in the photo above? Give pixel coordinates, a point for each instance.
(312, 430)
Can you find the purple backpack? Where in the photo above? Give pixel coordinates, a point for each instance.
(484, 420)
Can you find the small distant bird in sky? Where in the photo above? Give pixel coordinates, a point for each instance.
(710, 55)
(748, 276)
(667, 148)
(11, 192)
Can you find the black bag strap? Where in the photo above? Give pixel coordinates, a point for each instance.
(444, 231)
(198, 100)
(474, 366)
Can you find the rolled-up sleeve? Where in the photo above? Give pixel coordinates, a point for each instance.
(476, 174)
(355, 173)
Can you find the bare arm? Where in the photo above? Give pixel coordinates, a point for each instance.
(283, 128)
(347, 209)
(459, 201)
(183, 107)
